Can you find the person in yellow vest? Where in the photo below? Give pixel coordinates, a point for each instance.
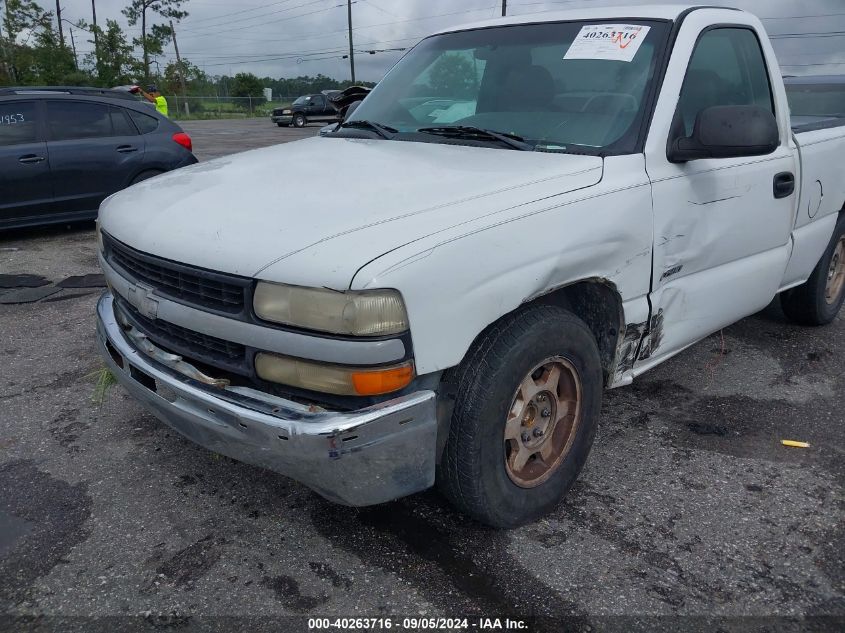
(152, 95)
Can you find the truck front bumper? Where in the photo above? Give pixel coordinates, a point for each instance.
(355, 458)
(284, 119)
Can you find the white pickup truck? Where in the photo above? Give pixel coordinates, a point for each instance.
(523, 212)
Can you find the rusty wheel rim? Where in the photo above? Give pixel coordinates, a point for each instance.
(542, 422)
(836, 273)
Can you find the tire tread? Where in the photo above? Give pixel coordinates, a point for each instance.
(460, 467)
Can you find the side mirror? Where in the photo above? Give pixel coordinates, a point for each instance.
(727, 132)
(350, 109)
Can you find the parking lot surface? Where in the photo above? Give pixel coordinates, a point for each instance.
(689, 505)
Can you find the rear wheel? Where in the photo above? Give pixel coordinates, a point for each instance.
(527, 405)
(145, 175)
(818, 300)
(299, 120)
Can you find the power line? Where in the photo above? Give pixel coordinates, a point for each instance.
(199, 53)
(797, 17)
(371, 26)
(779, 36)
(258, 17)
(807, 65)
(223, 15)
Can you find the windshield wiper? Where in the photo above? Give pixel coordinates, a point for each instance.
(471, 132)
(383, 131)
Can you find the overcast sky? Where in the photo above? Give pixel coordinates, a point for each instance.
(286, 38)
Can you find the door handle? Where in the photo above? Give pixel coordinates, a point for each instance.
(784, 184)
(30, 158)
(126, 149)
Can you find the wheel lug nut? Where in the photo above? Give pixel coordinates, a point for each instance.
(538, 432)
(525, 436)
(545, 413)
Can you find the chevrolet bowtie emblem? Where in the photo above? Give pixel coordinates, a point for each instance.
(142, 298)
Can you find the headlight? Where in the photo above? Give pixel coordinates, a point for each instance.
(285, 111)
(344, 381)
(359, 313)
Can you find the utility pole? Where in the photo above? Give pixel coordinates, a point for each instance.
(181, 70)
(96, 38)
(504, 8)
(73, 43)
(351, 52)
(59, 22)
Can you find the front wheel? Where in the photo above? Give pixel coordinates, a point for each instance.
(299, 121)
(526, 410)
(818, 300)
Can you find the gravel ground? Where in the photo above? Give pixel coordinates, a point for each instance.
(689, 508)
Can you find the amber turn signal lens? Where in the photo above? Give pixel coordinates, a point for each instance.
(345, 381)
(373, 383)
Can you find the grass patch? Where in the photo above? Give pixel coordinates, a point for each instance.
(104, 379)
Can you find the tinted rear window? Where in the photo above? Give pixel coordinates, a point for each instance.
(17, 123)
(120, 123)
(144, 122)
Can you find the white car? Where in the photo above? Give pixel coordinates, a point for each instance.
(612, 186)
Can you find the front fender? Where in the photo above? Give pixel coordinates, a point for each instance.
(458, 282)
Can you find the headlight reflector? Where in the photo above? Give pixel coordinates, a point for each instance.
(344, 381)
(358, 313)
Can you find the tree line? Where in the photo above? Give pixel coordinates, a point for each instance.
(34, 51)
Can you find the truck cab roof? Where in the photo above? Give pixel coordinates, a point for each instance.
(653, 11)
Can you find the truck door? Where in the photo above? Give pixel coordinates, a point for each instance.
(318, 103)
(721, 236)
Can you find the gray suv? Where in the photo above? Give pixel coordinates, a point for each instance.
(64, 150)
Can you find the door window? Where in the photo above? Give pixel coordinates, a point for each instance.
(18, 123)
(144, 122)
(77, 120)
(120, 124)
(727, 68)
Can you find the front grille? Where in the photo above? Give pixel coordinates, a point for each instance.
(193, 345)
(188, 284)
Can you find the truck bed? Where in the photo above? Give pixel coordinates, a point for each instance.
(810, 123)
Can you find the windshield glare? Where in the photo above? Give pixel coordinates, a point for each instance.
(546, 83)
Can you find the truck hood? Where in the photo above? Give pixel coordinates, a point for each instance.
(241, 213)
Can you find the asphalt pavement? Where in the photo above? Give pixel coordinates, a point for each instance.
(689, 507)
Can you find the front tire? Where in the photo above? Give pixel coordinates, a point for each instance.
(299, 120)
(526, 410)
(818, 300)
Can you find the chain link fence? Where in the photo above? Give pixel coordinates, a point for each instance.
(218, 107)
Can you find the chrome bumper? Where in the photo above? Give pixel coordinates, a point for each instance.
(356, 458)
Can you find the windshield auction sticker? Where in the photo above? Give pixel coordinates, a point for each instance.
(618, 42)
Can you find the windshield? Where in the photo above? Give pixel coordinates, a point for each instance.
(300, 100)
(816, 99)
(563, 86)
